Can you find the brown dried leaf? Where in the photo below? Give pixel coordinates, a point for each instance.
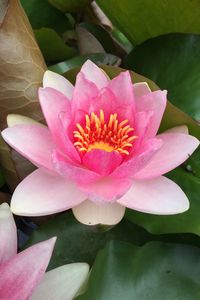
(21, 71)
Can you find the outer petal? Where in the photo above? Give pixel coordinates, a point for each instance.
(32, 141)
(8, 234)
(58, 83)
(21, 274)
(177, 147)
(159, 196)
(178, 129)
(93, 73)
(140, 89)
(62, 283)
(91, 213)
(42, 193)
(14, 119)
(106, 189)
(53, 104)
(102, 162)
(155, 102)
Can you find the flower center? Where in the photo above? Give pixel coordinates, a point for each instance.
(110, 136)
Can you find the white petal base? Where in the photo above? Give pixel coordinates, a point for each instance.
(90, 213)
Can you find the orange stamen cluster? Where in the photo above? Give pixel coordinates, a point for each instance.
(96, 134)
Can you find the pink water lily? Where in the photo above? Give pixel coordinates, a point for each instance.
(100, 152)
(22, 275)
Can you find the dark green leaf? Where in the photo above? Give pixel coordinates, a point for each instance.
(70, 5)
(140, 20)
(173, 62)
(78, 242)
(42, 14)
(98, 58)
(155, 271)
(52, 46)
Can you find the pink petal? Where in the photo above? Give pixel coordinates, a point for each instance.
(142, 123)
(106, 101)
(43, 193)
(121, 86)
(94, 74)
(53, 104)
(8, 234)
(177, 147)
(159, 196)
(84, 93)
(21, 274)
(102, 162)
(106, 189)
(58, 83)
(32, 141)
(139, 160)
(156, 103)
(140, 89)
(91, 213)
(70, 171)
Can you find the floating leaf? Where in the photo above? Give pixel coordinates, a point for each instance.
(173, 62)
(53, 46)
(140, 20)
(70, 5)
(154, 271)
(43, 14)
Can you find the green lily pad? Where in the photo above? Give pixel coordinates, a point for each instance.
(52, 46)
(154, 271)
(173, 62)
(42, 14)
(70, 5)
(140, 20)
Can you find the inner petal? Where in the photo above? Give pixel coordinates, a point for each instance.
(110, 135)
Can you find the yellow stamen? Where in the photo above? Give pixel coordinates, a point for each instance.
(96, 134)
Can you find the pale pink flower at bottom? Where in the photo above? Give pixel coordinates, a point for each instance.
(100, 152)
(22, 275)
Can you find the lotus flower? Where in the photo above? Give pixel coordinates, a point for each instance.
(22, 275)
(100, 152)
